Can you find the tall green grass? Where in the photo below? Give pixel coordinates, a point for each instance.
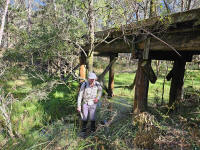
(192, 78)
(36, 107)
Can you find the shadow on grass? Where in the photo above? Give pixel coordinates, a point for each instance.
(61, 102)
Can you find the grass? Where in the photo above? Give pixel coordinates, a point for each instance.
(192, 78)
(38, 104)
(45, 116)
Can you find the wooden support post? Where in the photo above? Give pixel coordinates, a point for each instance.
(143, 75)
(111, 77)
(141, 89)
(82, 71)
(177, 82)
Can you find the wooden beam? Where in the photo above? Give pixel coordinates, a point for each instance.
(183, 41)
(141, 90)
(111, 78)
(177, 82)
(170, 55)
(117, 46)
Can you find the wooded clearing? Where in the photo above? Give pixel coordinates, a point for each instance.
(146, 54)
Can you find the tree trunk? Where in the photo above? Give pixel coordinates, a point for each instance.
(3, 20)
(182, 5)
(29, 14)
(90, 62)
(157, 62)
(145, 9)
(189, 3)
(91, 34)
(152, 9)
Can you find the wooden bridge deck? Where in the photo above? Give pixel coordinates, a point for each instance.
(181, 31)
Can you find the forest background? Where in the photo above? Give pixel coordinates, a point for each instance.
(40, 45)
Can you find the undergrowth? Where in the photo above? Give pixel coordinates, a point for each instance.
(44, 116)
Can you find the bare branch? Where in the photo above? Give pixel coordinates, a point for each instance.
(167, 7)
(103, 39)
(72, 71)
(162, 42)
(78, 45)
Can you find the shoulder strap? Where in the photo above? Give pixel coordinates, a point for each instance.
(85, 84)
(84, 87)
(97, 84)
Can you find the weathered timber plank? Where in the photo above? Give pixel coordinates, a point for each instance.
(186, 41)
(118, 46)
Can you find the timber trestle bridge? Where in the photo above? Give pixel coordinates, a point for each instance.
(175, 37)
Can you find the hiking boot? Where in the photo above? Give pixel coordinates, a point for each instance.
(84, 124)
(82, 133)
(93, 127)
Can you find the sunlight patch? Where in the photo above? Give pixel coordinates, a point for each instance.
(19, 82)
(58, 94)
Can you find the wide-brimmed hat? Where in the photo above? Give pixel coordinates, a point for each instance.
(92, 75)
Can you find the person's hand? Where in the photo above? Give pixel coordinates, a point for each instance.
(79, 109)
(95, 100)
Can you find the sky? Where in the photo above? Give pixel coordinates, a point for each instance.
(36, 1)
